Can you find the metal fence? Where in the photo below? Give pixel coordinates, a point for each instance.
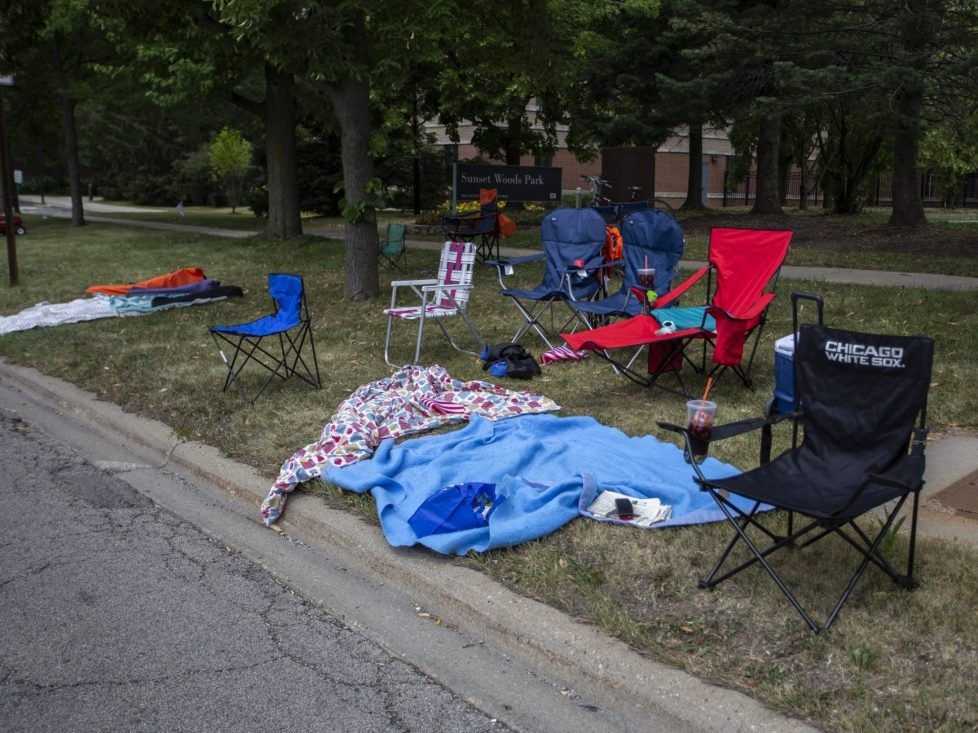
(798, 187)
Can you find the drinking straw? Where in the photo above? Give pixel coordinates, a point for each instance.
(706, 392)
(646, 262)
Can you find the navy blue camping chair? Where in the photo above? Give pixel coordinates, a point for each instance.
(652, 239)
(280, 343)
(572, 241)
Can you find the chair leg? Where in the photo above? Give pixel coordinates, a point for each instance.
(296, 345)
(758, 556)
(245, 350)
(867, 547)
(387, 341)
(472, 330)
(282, 363)
(417, 345)
(652, 378)
(533, 320)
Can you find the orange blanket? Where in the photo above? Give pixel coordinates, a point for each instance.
(183, 276)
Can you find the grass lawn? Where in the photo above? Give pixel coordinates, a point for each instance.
(893, 661)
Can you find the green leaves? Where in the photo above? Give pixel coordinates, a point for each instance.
(230, 157)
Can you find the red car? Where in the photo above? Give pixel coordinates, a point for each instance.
(18, 225)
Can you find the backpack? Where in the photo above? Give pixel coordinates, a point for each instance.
(509, 360)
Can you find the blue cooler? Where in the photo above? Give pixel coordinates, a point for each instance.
(784, 373)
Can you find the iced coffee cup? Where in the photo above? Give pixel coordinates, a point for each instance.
(700, 415)
(646, 278)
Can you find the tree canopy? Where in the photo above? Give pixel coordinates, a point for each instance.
(124, 94)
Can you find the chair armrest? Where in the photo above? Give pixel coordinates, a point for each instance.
(439, 287)
(511, 261)
(413, 283)
(906, 476)
(729, 430)
(582, 272)
(756, 309)
(642, 296)
(477, 222)
(909, 472)
(595, 263)
(415, 286)
(505, 267)
(674, 294)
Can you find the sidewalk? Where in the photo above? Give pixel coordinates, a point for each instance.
(818, 274)
(61, 206)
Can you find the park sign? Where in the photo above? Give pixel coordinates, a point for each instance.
(512, 182)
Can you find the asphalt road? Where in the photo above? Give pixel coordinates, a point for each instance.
(119, 615)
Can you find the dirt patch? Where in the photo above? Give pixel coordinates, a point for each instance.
(961, 496)
(829, 231)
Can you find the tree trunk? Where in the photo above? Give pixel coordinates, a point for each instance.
(416, 131)
(849, 165)
(351, 104)
(915, 33)
(908, 207)
(70, 130)
(284, 219)
(694, 180)
(768, 200)
(71, 157)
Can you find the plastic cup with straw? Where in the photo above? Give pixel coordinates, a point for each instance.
(646, 278)
(700, 415)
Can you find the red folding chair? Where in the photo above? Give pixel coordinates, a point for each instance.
(740, 279)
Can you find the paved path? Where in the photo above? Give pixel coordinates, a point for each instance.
(60, 206)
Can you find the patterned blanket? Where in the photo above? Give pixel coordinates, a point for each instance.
(412, 400)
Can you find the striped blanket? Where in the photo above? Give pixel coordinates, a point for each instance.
(414, 399)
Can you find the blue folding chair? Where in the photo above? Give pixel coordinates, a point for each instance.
(652, 240)
(276, 342)
(572, 241)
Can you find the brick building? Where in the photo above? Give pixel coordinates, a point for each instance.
(664, 169)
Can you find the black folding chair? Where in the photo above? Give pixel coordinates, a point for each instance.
(861, 404)
(481, 226)
(276, 342)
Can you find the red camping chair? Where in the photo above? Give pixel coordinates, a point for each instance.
(740, 279)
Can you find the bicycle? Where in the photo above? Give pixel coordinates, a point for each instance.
(599, 201)
(597, 185)
(652, 203)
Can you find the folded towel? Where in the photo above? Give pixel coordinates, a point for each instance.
(562, 353)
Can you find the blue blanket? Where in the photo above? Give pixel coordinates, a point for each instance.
(539, 466)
